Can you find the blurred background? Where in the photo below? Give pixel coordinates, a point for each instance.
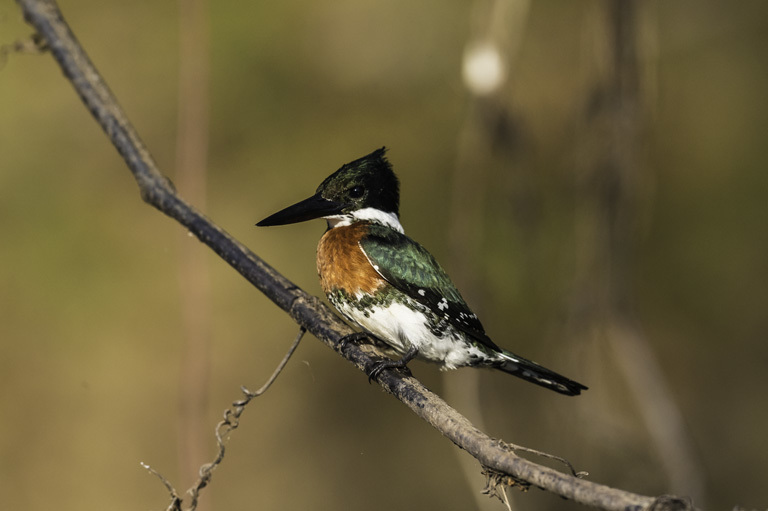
(592, 174)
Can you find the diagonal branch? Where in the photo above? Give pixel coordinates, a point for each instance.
(308, 311)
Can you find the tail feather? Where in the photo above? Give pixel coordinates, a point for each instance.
(534, 373)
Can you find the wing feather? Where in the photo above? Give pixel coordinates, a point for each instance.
(409, 267)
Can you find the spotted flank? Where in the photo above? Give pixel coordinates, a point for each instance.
(404, 323)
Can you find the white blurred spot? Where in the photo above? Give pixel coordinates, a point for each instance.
(483, 69)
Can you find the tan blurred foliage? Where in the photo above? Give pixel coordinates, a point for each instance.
(91, 328)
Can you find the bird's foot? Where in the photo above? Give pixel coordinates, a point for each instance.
(402, 363)
(355, 338)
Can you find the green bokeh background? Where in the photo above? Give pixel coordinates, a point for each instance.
(90, 321)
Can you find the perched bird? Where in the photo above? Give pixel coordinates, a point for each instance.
(390, 286)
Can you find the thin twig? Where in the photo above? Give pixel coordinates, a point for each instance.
(232, 421)
(580, 474)
(33, 44)
(175, 504)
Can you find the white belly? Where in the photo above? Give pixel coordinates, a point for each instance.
(401, 327)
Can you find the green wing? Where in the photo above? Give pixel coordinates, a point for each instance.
(410, 268)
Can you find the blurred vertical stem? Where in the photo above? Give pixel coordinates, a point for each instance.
(493, 46)
(194, 281)
(612, 188)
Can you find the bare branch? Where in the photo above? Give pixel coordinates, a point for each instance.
(306, 310)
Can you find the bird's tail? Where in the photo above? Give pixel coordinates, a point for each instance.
(534, 373)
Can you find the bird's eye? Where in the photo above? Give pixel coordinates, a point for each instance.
(356, 191)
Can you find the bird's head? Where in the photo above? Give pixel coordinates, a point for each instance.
(365, 189)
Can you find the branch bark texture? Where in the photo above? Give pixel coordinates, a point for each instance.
(307, 310)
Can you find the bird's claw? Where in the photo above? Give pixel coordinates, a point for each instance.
(353, 338)
(381, 365)
(402, 363)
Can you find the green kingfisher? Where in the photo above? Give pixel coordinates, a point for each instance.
(391, 286)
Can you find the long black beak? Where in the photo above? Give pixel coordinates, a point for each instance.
(308, 209)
